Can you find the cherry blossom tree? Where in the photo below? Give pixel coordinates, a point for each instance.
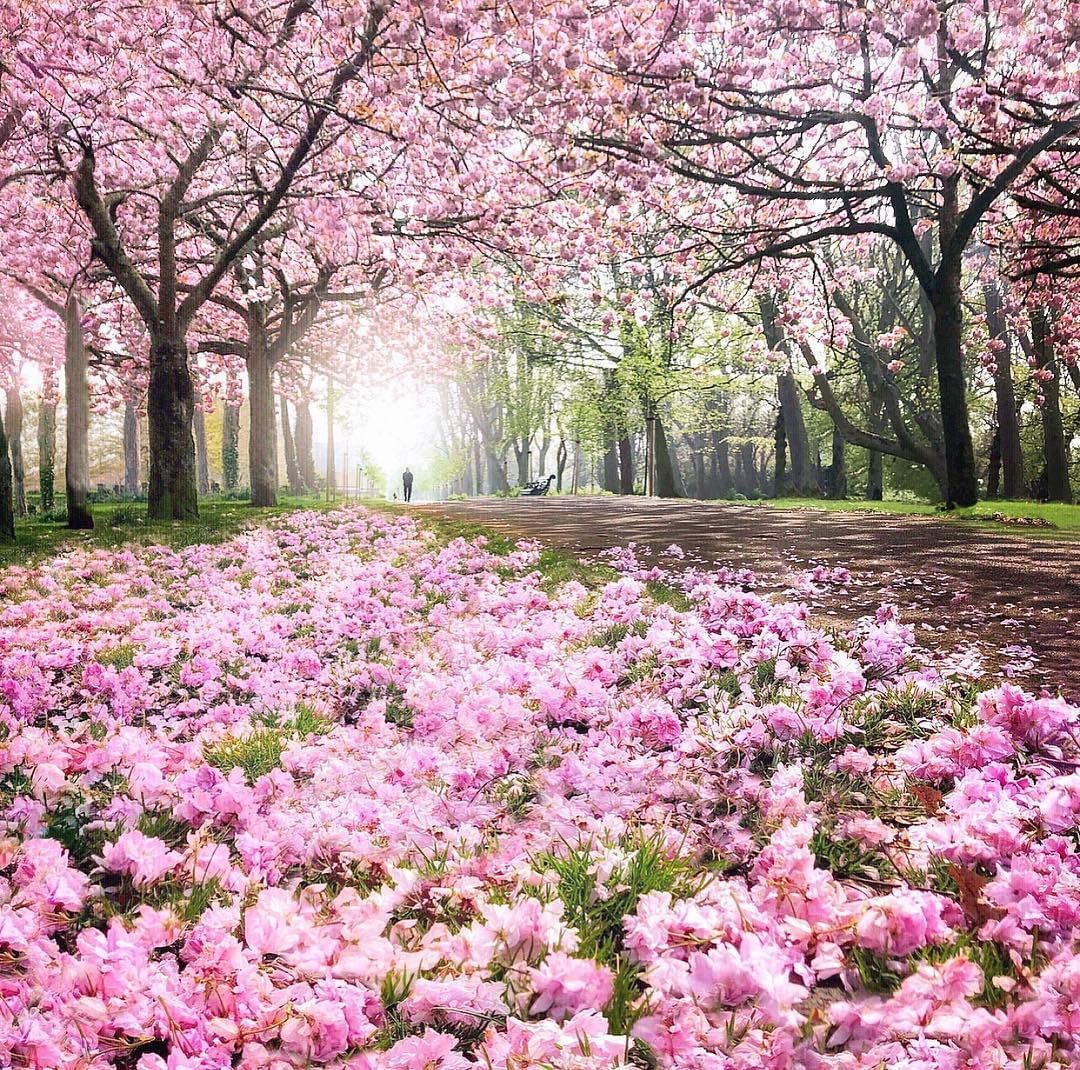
(798, 123)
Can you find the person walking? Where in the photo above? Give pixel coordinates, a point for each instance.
(406, 483)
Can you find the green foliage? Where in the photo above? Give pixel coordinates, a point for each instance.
(398, 711)
(664, 594)
(256, 754)
(124, 516)
(649, 867)
(259, 751)
(516, 792)
(118, 657)
(394, 990)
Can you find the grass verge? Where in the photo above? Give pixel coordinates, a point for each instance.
(118, 524)
(1065, 519)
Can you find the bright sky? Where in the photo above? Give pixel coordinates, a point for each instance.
(396, 425)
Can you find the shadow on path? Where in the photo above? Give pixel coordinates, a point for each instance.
(987, 597)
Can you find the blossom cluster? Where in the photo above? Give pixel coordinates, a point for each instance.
(341, 793)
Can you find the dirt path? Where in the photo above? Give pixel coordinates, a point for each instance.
(995, 602)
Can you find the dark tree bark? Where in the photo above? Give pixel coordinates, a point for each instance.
(668, 483)
(305, 460)
(262, 439)
(292, 467)
(800, 478)
(77, 396)
(946, 299)
(202, 459)
(7, 505)
(875, 471)
(131, 450)
(746, 479)
(521, 455)
(1055, 452)
(170, 409)
(835, 484)
(560, 464)
(496, 470)
(794, 472)
(14, 421)
(230, 447)
(46, 437)
(780, 456)
(1008, 424)
(993, 466)
(541, 464)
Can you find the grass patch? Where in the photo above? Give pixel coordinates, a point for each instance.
(119, 524)
(648, 867)
(665, 594)
(259, 752)
(118, 657)
(1065, 519)
(558, 566)
(256, 754)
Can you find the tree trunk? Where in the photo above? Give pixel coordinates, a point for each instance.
(800, 478)
(170, 408)
(1055, 452)
(836, 482)
(961, 476)
(668, 483)
(292, 467)
(14, 423)
(77, 394)
(541, 464)
(993, 466)
(201, 457)
(262, 439)
(305, 459)
(230, 448)
(7, 509)
(626, 464)
(560, 464)
(780, 458)
(331, 460)
(496, 471)
(722, 453)
(1010, 449)
(477, 468)
(697, 462)
(522, 456)
(131, 450)
(46, 436)
(611, 466)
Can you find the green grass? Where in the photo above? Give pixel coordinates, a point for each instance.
(259, 752)
(1064, 518)
(120, 523)
(556, 565)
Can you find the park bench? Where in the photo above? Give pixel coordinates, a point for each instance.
(537, 488)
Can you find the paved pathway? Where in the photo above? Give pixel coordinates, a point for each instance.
(1001, 601)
